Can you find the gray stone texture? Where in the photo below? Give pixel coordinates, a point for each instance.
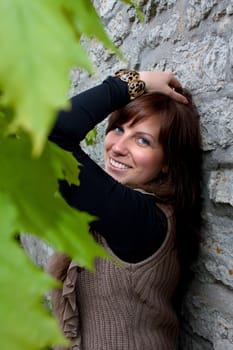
(194, 38)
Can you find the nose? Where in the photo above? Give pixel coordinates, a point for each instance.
(121, 146)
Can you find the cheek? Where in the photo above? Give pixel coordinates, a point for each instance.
(151, 159)
(152, 163)
(108, 142)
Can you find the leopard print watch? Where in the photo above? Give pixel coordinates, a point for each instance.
(136, 87)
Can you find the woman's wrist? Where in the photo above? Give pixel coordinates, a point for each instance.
(151, 81)
(136, 86)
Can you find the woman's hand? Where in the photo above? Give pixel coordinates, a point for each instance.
(163, 82)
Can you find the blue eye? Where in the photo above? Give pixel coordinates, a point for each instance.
(143, 141)
(118, 129)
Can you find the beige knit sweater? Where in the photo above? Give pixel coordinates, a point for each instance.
(123, 306)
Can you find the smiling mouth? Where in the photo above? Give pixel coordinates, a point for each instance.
(118, 165)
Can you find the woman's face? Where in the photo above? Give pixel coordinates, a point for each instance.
(132, 153)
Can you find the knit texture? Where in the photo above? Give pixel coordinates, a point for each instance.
(124, 306)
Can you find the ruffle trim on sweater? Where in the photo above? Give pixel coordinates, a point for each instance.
(70, 312)
(66, 308)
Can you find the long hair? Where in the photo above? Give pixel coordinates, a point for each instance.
(180, 185)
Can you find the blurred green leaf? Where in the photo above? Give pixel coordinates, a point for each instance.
(89, 22)
(40, 43)
(32, 186)
(90, 138)
(25, 323)
(39, 48)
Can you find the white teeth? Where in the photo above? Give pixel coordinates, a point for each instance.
(118, 165)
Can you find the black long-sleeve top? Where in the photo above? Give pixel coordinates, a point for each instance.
(133, 226)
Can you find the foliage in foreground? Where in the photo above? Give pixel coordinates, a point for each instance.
(39, 45)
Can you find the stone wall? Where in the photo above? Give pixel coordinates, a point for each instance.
(194, 38)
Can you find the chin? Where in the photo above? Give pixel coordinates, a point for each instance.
(118, 178)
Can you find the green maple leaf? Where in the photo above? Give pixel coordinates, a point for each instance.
(38, 47)
(32, 204)
(89, 22)
(32, 186)
(40, 44)
(25, 323)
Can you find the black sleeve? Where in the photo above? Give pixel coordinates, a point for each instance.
(128, 219)
(88, 109)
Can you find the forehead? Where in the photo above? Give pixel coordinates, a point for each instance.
(152, 120)
(150, 125)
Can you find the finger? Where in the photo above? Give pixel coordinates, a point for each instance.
(177, 97)
(174, 82)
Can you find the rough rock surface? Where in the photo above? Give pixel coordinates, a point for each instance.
(194, 38)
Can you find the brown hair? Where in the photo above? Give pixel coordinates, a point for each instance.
(181, 141)
(180, 138)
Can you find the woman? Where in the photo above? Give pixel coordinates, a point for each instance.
(147, 204)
